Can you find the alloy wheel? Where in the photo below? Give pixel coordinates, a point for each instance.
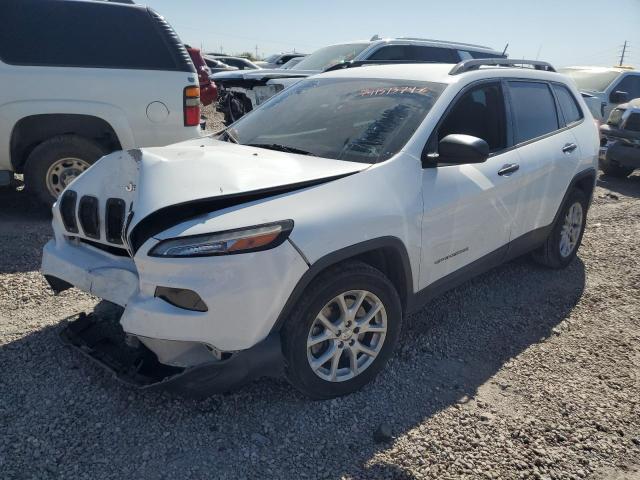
(571, 229)
(347, 335)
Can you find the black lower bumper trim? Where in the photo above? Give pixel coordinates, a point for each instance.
(103, 342)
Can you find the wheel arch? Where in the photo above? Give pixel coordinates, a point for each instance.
(32, 130)
(387, 254)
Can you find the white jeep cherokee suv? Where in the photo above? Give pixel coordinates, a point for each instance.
(312, 226)
(81, 79)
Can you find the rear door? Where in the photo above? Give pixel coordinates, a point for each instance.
(468, 209)
(548, 152)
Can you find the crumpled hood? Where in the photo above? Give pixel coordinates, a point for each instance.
(260, 75)
(164, 184)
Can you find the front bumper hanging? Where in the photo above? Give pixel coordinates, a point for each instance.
(103, 341)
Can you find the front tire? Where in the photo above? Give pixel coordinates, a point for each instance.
(56, 162)
(614, 169)
(561, 246)
(342, 331)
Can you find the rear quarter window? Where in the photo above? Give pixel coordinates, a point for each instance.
(534, 109)
(82, 34)
(568, 105)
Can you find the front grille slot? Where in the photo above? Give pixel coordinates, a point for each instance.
(114, 220)
(68, 211)
(88, 215)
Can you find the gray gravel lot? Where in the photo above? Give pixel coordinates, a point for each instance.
(521, 373)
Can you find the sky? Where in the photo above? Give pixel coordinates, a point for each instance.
(563, 32)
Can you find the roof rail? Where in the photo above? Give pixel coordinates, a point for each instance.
(444, 41)
(475, 64)
(361, 63)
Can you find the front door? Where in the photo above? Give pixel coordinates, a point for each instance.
(468, 209)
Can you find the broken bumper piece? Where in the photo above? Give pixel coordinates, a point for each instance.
(104, 343)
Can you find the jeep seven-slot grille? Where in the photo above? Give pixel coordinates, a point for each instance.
(85, 214)
(89, 216)
(68, 211)
(114, 216)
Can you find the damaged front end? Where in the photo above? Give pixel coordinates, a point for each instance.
(239, 93)
(133, 364)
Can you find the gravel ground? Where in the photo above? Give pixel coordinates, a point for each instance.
(520, 373)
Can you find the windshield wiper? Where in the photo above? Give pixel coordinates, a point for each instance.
(230, 138)
(281, 148)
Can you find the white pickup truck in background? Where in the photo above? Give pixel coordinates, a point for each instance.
(65, 102)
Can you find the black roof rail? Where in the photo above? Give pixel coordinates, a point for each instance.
(475, 64)
(360, 63)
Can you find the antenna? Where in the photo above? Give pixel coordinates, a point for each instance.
(505, 48)
(539, 50)
(624, 50)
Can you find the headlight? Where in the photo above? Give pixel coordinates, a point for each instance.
(251, 239)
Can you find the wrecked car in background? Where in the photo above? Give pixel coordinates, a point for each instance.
(620, 144)
(604, 87)
(279, 59)
(241, 92)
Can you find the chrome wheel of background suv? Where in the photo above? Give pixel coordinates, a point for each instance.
(347, 335)
(62, 172)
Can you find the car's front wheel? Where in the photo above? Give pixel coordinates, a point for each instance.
(342, 331)
(614, 169)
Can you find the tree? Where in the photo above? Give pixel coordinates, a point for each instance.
(247, 55)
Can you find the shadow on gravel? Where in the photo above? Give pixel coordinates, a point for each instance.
(61, 414)
(25, 226)
(629, 186)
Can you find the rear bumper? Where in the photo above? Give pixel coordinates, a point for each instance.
(103, 343)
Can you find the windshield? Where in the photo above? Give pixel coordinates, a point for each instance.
(272, 58)
(354, 119)
(591, 80)
(329, 56)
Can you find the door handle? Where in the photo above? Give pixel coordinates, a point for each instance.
(569, 147)
(508, 169)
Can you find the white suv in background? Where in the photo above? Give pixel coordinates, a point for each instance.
(82, 79)
(604, 88)
(318, 221)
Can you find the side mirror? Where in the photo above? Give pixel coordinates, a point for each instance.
(619, 97)
(458, 149)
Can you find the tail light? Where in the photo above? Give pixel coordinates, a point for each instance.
(191, 106)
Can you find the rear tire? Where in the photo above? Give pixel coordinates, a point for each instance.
(614, 169)
(356, 348)
(561, 246)
(56, 162)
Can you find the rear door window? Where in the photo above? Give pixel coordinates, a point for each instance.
(534, 109)
(81, 34)
(416, 53)
(568, 105)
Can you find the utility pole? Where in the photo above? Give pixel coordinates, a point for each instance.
(624, 50)
(256, 52)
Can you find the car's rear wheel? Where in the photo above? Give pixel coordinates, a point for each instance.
(342, 331)
(614, 169)
(561, 246)
(56, 162)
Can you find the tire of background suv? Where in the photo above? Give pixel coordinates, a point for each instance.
(551, 254)
(45, 170)
(614, 169)
(348, 280)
